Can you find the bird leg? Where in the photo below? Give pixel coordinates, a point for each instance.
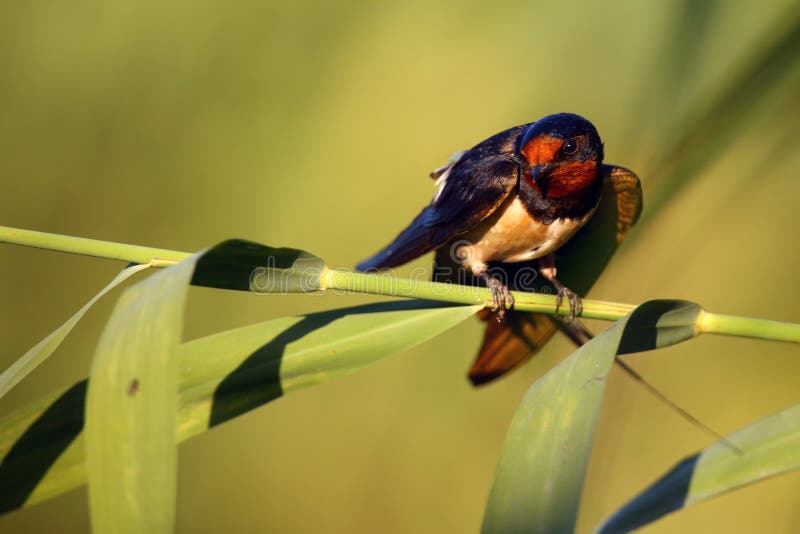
(547, 268)
(501, 295)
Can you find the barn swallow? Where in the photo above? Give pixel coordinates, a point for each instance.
(513, 199)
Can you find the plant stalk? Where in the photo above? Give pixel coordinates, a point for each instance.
(379, 284)
(156, 257)
(731, 325)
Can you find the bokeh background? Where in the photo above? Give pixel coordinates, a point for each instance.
(178, 124)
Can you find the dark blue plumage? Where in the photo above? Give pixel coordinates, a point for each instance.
(475, 186)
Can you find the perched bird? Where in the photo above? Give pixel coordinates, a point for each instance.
(509, 203)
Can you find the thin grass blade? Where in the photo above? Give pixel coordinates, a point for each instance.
(42, 350)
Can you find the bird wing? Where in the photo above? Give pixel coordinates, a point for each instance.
(470, 190)
(520, 335)
(628, 191)
(508, 343)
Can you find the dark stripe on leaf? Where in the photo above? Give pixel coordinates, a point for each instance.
(658, 323)
(242, 265)
(257, 380)
(29, 459)
(666, 495)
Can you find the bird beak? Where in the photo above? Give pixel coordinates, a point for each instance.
(541, 175)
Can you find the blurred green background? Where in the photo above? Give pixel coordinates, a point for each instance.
(314, 124)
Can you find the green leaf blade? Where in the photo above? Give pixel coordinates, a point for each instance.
(32, 471)
(42, 448)
(131, 407)
(540, 475)
(766, 448)
(231, 372)
(771, 446)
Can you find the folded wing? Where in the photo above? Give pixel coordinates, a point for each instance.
(471, 190)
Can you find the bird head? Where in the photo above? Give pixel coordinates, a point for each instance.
(561, 154)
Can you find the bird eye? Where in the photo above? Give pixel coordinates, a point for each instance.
(570, 147)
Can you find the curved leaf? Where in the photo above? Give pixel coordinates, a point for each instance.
(228, 373)
(767, 447)
(131, 404)
(220, 376)
(132, 398)
(248, 266)
(42, 445)
(539, 479)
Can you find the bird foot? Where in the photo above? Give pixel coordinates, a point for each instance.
(502, 299)
(575, 303)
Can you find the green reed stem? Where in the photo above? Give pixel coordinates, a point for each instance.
(731, 325)
(91, 247)
(381, 284)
